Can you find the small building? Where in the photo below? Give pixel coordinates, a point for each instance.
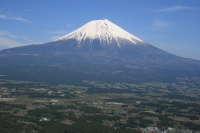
(54, 100)
(170, 129)
(44, 119)
(138, 102)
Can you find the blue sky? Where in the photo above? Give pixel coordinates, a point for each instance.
(171, 25)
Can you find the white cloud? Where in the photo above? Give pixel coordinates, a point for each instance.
(68, 25)
(9, 40)
(176, 8)
(7, 34)
(54, 38)
(58, 32)
(161, 24)
(9, 43)
(14, 18)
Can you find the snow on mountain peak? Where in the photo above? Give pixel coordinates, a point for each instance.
(104, 30)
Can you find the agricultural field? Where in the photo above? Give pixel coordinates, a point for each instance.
(100, 107)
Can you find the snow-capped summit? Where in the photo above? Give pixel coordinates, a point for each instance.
(107, 32)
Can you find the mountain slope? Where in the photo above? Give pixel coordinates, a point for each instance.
(99, 50)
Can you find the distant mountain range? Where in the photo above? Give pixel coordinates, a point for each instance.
(99, 50)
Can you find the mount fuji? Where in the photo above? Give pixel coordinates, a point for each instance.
(99, 50)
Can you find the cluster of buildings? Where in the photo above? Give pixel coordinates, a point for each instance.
(150, 129)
